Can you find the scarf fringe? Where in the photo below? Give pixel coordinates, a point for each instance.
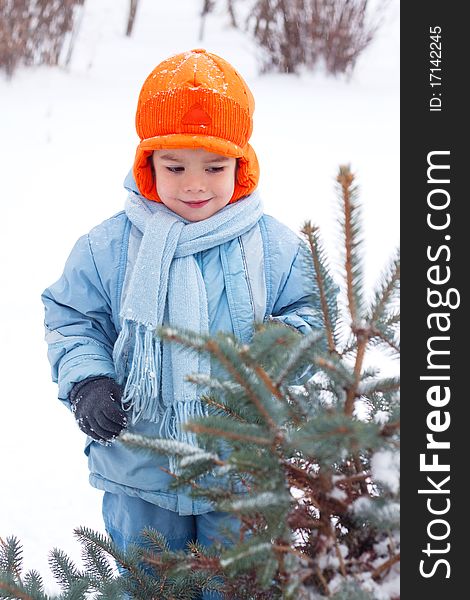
(172, 425)
(142, 386)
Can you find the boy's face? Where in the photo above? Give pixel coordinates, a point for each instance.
(194, 183)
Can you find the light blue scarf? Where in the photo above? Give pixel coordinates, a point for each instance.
(166, 286)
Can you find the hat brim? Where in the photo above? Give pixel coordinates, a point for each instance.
(188, 140)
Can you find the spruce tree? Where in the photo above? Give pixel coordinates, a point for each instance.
(303, 436)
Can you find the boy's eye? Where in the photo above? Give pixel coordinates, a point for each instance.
(181, 169)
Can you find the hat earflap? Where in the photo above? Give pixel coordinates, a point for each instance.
(247, 174)
(144, 174)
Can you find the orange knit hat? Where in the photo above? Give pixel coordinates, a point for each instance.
(195, 100)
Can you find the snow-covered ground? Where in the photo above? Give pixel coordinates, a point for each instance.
(67, 140)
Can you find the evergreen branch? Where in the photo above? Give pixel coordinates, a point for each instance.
(292, 550)
(358, 466)
(387, 329)
(339, 556)
(369, 373)
(306, 343)
(386, 565)
(213, 383)
(230, 403)
(322, 441)
(334, 367)
(244, 430)
(388, 384)
(214, 349)
(188, 339)
(11, 556)
(167, 446)
(223, 407)
(239, 437)
(311, 233)
(85, 534)
(300, 474)
(270, 386)
(349, 347)
(352, 390)
(257, 502)
(352, 266)
(63, 568)
(380, 332)
(271, 342)
(386, 291)
(297, 522)
(264, 377)
(96, 562)
(345, 184)
(311, 484)
(297, 410)
(244, 553)
(392, 320)
(354, 478)
(15, 591)
(179, 478)
(393, 344)
(156, 539)
(390, 428)
(33, 582)
(323, 581)
(77, 590)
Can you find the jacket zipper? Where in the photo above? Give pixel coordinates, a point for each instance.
(245, 264)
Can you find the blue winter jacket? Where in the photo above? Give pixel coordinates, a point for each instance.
(82, 324)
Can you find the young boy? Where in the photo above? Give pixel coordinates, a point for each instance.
(192, 250)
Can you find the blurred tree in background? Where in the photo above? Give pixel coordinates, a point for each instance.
(133, 5)
(305, 33)
(290, 34)
(36, 32)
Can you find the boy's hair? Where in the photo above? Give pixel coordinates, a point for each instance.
(195, 100)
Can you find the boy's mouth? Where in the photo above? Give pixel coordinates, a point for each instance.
(197, 203)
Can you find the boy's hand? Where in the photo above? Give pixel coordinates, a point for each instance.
(95, 403)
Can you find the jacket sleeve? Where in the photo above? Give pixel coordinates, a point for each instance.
(293, 305)
(79, 329)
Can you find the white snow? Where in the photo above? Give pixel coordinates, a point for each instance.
(250, 552)
(67, 142)
(381, 417)
(261, 500)
(385, 467)
(338, 494)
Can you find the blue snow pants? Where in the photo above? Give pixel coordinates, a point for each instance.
(126, 516)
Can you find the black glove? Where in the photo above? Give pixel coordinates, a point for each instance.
(96, 405)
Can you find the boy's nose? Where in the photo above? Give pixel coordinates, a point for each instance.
(194, 184)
